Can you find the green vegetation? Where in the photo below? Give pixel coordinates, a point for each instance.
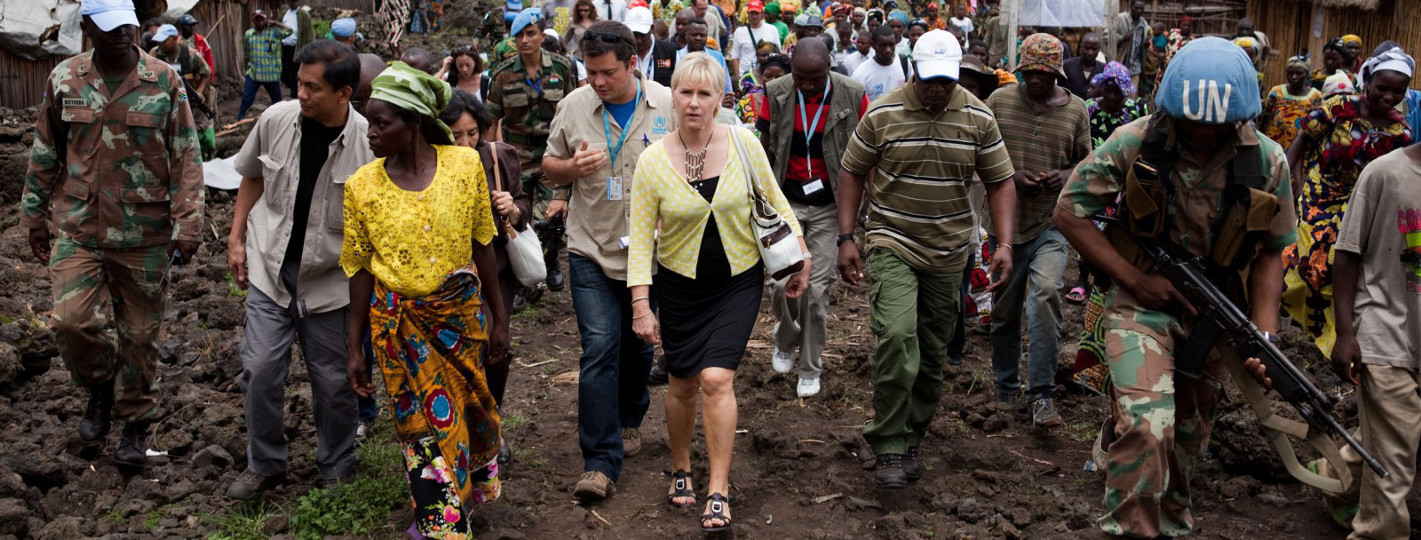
(245, 521)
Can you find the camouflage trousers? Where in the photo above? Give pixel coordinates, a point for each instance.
(88, 281)
(541, 194)
(1163, 424)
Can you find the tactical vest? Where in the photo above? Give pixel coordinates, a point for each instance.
(1147, 208)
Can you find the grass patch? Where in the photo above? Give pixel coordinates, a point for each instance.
(510, 422)
(232, 288)
(530, 313)
(245, 521)
(155, 516)
(116, 517)
(361, 507)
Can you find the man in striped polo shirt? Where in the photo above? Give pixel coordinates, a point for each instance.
(923, 142)
(1047, 132)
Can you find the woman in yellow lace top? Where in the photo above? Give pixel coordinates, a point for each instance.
(417, 233)
(710, 278)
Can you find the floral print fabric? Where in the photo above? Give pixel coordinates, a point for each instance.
(431, 351)
(1283, 111)
(1103, 123)
(1343, 142)
(439, 511)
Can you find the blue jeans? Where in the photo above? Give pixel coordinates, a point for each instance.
(249, 94)
(1039, 264)
(611, 388)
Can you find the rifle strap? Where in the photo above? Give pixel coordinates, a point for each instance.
(1278, 430)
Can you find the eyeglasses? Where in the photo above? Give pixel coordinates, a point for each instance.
(605, 37)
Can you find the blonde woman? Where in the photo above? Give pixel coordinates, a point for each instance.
(709, 277)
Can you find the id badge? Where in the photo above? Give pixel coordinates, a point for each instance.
(813, 186)
(614, 188)
(624, 242)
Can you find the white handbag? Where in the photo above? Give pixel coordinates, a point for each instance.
(779, 248)
(525, 252)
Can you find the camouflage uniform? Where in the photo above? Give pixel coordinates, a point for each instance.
(527, 112)
(1165, 420)
(118, 175)
(194, 71)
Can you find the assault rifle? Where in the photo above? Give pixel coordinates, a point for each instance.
(1220, 317)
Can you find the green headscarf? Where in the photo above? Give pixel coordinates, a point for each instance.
(413, 90)
(772, 7)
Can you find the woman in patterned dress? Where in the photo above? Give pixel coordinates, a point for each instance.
(1334, 143)
(414, 220)
(1287, 104)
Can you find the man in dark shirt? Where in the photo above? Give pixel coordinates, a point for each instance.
(1080, 69)
(808, 121)
(289, 218)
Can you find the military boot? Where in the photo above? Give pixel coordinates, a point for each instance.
(133, 448)
(98, 415)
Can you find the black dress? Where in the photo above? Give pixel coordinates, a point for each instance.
(706, 321)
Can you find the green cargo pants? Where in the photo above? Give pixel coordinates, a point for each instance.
(86, 282)
(912, 313)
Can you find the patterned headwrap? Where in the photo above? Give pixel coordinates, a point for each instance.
(899, 14)
(413, 90)
(1351, 39)
(875, 12)
(1117, 73)
(789, 6)
(1395, 59)
(1337, 83)
(1300, 60)
(767, 45)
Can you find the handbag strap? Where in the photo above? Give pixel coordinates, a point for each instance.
(497, 171)
(745, 162)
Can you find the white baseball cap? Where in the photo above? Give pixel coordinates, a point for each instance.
(937, 54)
(639, 19)
(109, 14)
(165, 33)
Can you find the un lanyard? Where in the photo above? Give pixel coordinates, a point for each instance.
(607, 128)
(811, 128)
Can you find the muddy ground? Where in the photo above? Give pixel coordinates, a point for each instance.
(800, 465)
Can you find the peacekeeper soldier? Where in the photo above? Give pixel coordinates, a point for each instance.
(524, 96)
(1212, 168)
(196, 74)
(114, 169)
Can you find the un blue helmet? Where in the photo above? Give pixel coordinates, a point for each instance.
(1211, 81)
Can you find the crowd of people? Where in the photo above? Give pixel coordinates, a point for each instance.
(380, 214)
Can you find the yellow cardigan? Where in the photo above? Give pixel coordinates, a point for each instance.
(661, 192)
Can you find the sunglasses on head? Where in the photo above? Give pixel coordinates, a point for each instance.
(605, 37)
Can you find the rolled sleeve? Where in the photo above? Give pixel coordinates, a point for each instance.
(1097, 181)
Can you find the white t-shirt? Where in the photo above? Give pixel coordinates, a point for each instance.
(290, 20)
(879, 79)
(965, 23)
(745, 44)
(904, 48)
(852, 59)
(1383, 225)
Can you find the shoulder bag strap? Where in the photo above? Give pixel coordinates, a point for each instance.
(744, 162)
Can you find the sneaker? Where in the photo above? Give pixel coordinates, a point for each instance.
(912, 468)
(658, 375)
(808, 387)
(98, 414)
(631, 441)
(890, 473)
(594, 486)
(361, 431)
(505, 453)
(250, 485)
(1043, 413)
(133, 447)
(782, 361)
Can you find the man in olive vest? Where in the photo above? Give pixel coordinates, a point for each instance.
(809, 120)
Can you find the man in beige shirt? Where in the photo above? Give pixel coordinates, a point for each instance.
(288, 219)
(598, 134)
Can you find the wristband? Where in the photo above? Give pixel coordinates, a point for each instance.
(846, 237)
(1007, 246)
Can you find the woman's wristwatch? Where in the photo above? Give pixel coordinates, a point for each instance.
(846, 237)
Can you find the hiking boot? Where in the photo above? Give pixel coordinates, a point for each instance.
(98, 415)
(658, 375)
(250, 485)
(1043, 413)
(782, 361)
(1011, 399)
(912, 468)
(594, 486)
(890, 473)
(808, 387)
(631, 441)
(133, 448)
